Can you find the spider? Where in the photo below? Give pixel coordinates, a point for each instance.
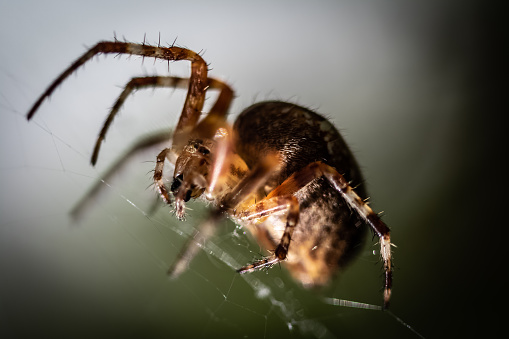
(281, 170)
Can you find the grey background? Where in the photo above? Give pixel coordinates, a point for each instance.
(408, 84)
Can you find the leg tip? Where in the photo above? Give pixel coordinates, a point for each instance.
(387, 298)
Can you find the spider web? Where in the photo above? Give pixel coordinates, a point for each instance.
(106, 272)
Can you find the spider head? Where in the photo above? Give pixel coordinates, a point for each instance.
(191, 171)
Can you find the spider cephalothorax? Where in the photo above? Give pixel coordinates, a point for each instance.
(281, 170)
(190, 178)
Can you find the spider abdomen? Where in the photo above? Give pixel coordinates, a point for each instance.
(300, 135)
(327, 235)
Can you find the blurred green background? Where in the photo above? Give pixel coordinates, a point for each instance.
(410, 85)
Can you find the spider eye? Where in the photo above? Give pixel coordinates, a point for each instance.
(188, 196)
(203, 150)
(177, 182)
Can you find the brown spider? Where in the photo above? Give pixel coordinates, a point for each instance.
(281, 170)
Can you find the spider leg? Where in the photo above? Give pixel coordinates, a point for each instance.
(249, 184)
(132, 85)
(198, 83)
(224, 159)
(158, 174)
(356, 203)
(144, 82)
(264, 208)
(213, 126)
(197, 80)
(140, 146)
(216, 118)
(197, 240)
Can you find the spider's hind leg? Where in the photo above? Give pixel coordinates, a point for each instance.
(318, 169)
(264, 208)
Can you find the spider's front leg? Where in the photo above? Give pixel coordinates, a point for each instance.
(146, 82)
(197, 82)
